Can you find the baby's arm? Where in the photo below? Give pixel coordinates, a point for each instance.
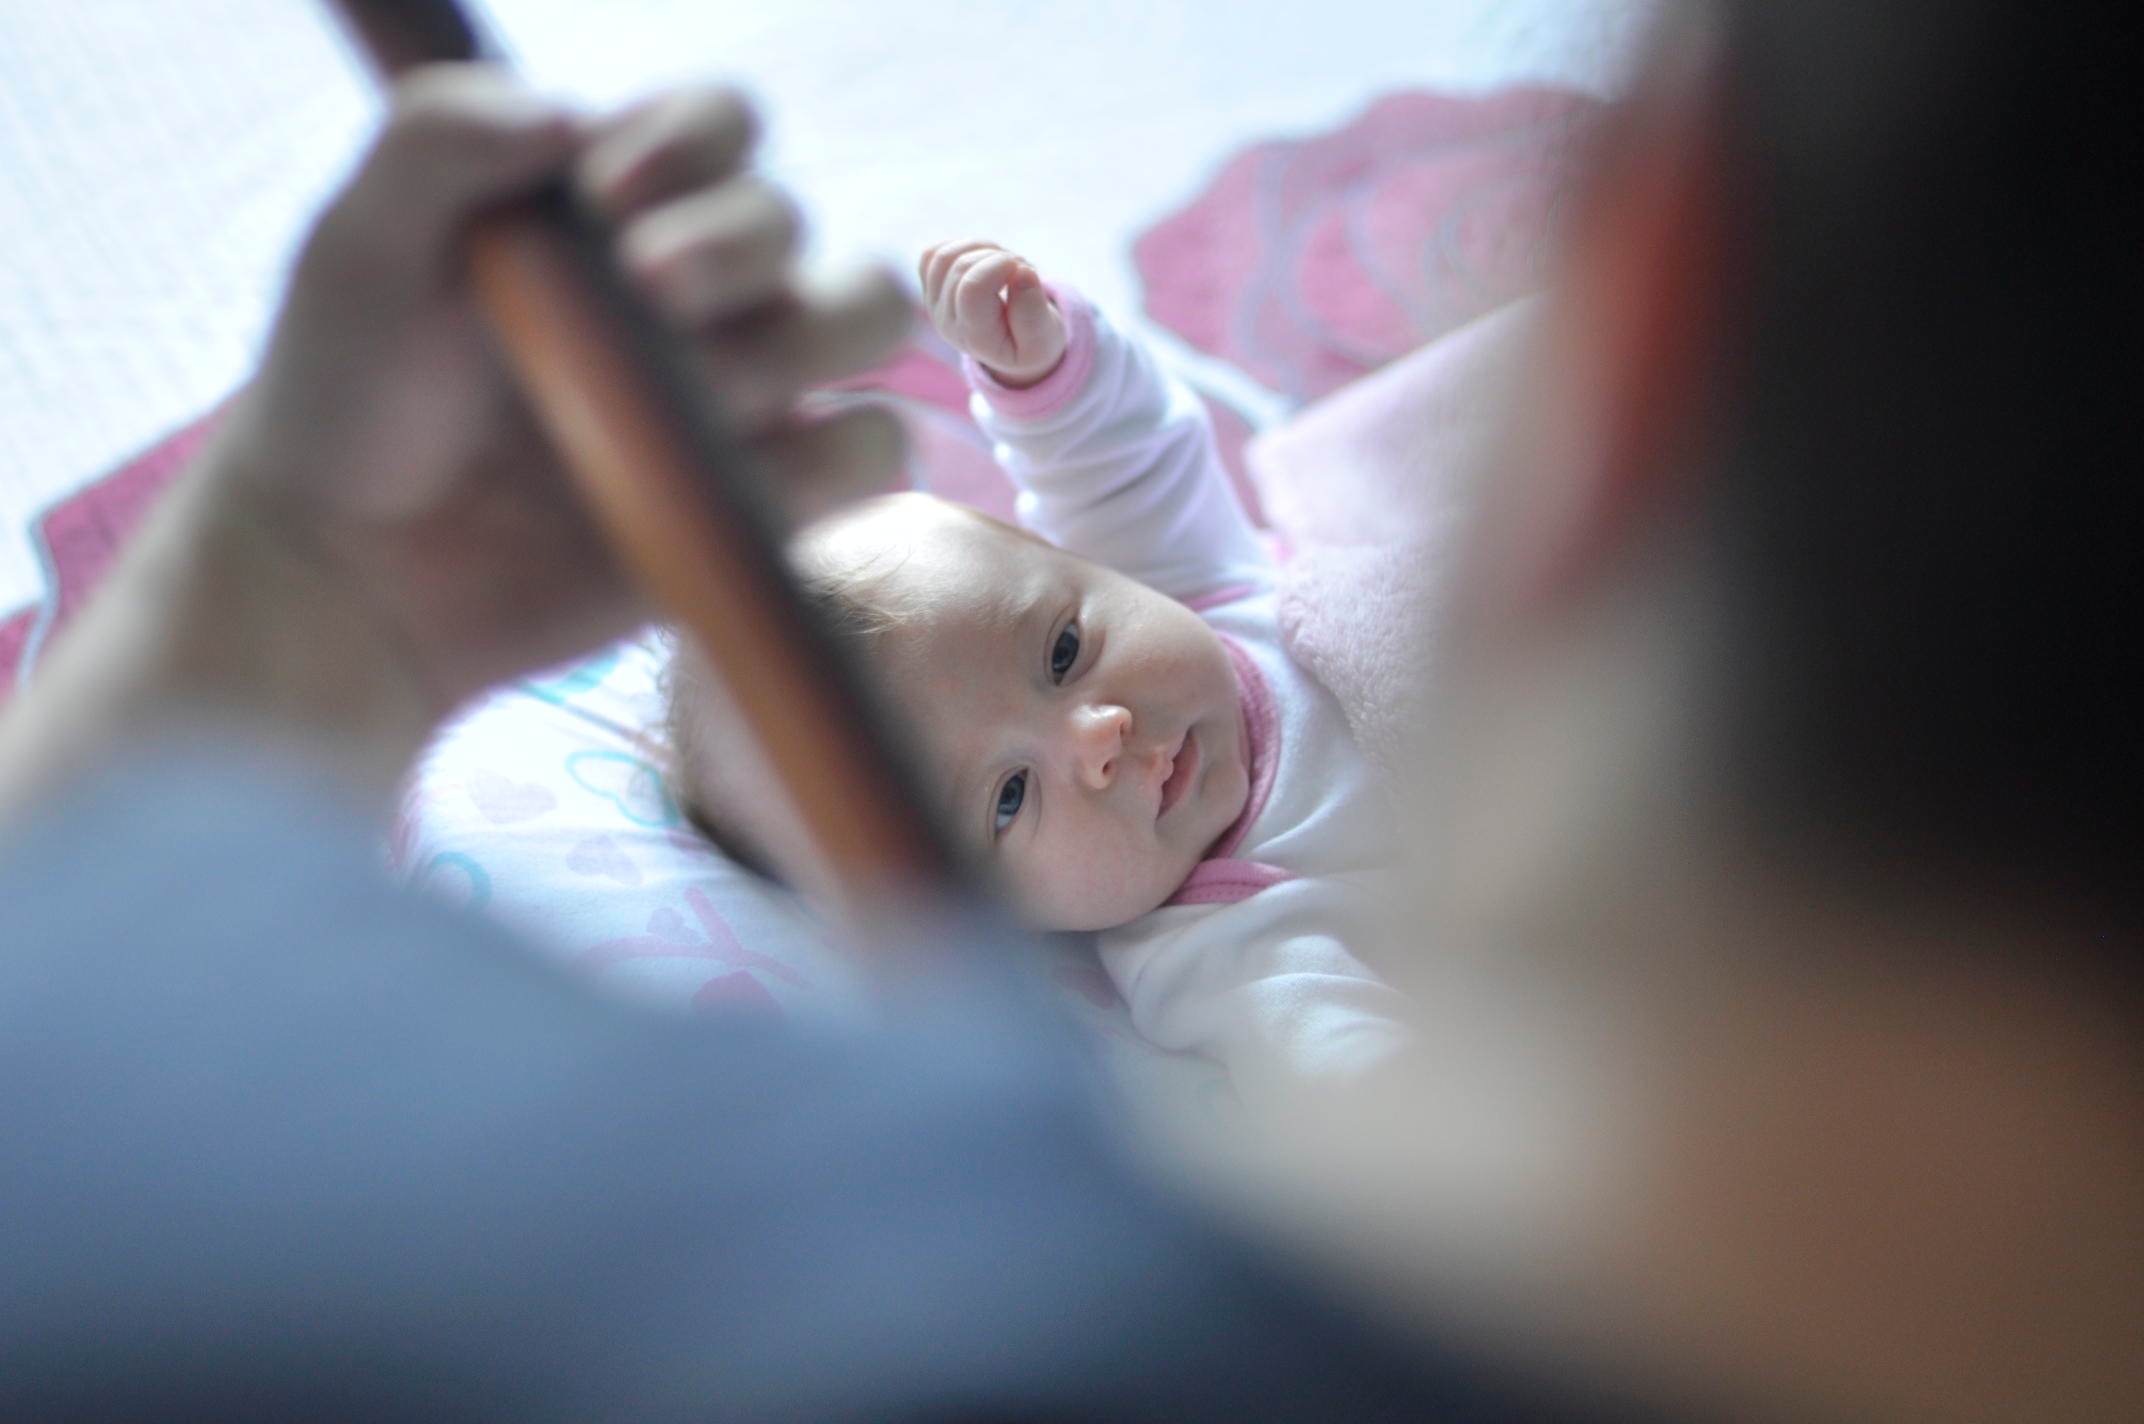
(1265, 987)
(1115, 461)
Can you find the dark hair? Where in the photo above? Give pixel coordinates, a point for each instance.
(1938, 396)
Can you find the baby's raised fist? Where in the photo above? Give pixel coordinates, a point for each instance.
(991, 304)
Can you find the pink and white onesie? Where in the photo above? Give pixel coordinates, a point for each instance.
(1248, 963)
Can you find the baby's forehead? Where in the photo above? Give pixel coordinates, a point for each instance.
(959, 593)
(931, 565)
(967, 590)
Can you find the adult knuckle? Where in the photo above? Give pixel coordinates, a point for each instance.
(721, 114)
(878, 434)
(780, 218)
(432, 109)
(882, 300)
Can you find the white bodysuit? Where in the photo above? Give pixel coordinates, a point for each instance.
(1248, 964)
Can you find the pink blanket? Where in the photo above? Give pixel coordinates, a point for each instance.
(1366, 487)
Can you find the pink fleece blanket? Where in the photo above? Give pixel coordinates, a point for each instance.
(1367, 487)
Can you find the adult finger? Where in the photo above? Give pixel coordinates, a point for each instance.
(827, 459)
(715, 253)
(664, 148)
(458, 138)
(831, 328)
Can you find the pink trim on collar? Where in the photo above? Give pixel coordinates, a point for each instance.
(1261, 744)
(1220, 878)
(1215, 598)
(1223, 882)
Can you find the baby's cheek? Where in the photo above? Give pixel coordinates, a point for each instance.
(1095, 881)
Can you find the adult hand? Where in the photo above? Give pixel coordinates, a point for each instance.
(378, 530)
(384, 440)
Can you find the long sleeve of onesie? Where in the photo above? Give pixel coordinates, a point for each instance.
(1117, 463)
(1250, 964)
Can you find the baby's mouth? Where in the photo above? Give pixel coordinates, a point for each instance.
(1184, 766)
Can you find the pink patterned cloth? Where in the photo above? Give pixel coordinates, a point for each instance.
(79, 538)
(1311, 262)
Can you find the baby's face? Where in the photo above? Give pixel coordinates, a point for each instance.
(1084, 732)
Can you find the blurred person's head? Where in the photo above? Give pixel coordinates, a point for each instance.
(1783, 729)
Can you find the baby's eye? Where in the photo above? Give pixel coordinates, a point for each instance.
(1064, 652)
(1011, 797)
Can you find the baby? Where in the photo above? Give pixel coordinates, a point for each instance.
(1102, 698)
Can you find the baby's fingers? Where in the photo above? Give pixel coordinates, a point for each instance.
(947, 313)
(1030, 315)
(937, 265)
(976, 304)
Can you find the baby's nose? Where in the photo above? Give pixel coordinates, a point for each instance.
(1098, 732)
